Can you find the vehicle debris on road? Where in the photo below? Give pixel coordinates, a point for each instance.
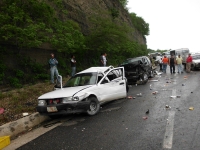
(177, 96)
(147, 112)
(145, 118)
(191, 108)
(155, 92)
(167, 106)
(139, 95)
(130, 97)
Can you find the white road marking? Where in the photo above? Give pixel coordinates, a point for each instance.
(168, 138)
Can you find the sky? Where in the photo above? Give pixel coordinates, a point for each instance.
(173, 24)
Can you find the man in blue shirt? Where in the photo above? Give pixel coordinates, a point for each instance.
(53, 68)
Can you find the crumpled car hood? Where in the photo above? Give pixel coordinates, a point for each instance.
(64, 92)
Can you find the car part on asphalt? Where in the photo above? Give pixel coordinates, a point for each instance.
(147, 112)
(191, 108)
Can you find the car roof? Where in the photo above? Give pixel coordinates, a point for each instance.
(140, 57)
(95, 69)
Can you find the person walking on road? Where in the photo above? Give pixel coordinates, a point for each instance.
(165, 62)
(73, 65)
(159, 61)
(53, 68)
(188, 63)
(172, 62)
(179, 61)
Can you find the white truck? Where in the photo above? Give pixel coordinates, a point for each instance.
(183, 52)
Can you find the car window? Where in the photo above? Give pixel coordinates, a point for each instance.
(115, 74)
(100, 76)
(131, 60)
(82, 80)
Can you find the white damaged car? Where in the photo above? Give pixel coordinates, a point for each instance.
(85, 92)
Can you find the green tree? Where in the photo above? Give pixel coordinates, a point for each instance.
(33, 22)
(124, 3)
(140, 24)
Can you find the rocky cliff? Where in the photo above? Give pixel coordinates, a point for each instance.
(81, 10)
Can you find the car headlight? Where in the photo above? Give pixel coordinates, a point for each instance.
(78, 98)
(42, 103)
(66, 99)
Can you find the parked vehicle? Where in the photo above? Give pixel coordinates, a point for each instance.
(85, 92)
(138, 69)
(195, 61)
(183, 52)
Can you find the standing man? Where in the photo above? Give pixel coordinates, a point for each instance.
(53, 68)
(159, 60)
(104, 59)
(172, 63)
(179, 61)
(73, 65)
(188, 63)
(165, 62)
(101, 60)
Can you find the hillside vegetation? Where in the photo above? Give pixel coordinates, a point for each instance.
(26, 25)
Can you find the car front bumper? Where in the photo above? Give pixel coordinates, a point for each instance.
(73, 107)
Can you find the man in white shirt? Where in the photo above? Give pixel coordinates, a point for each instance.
(159, 60)
(104, 59)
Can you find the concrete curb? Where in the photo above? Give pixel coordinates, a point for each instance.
(12, 129)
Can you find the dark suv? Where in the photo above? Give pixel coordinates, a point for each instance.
(138, 69)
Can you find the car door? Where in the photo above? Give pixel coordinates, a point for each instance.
(113, 85)
(147, 65)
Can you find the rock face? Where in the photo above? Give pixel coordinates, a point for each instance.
(81, 10)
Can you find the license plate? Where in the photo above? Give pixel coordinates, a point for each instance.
(52, 109)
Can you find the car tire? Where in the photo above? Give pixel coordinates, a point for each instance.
(94, 106)
(144, 78)
(192, 67)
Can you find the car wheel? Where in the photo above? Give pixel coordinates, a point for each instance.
(94, 106)
(144, 78)
(192, 67)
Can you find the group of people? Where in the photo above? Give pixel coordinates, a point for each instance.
(53, 65)
(172, 61)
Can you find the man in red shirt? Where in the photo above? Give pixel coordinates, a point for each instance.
(188, 63)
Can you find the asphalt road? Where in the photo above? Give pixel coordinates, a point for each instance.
(124, 124)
